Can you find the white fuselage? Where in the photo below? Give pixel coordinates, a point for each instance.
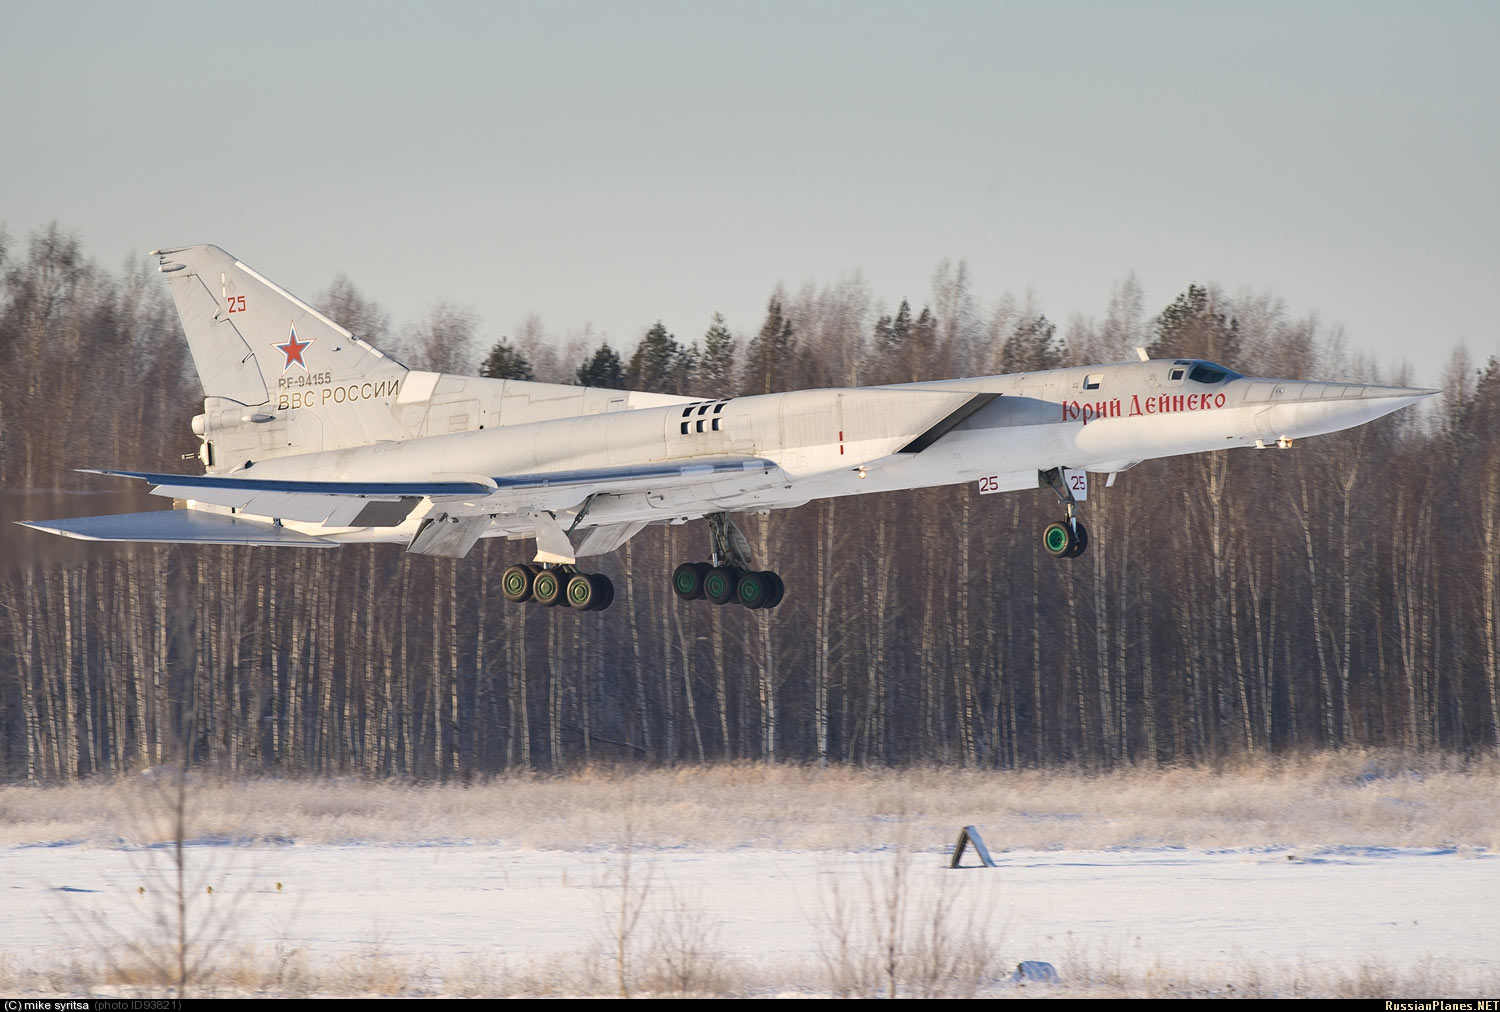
(822, 444)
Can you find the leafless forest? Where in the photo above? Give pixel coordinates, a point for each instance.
(1340, 593)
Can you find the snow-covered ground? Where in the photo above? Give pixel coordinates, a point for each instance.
(1129, 913)
(435, 914)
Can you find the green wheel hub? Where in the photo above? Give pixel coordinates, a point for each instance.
(1055, 538)
(752, 590)
(545, 586)
(579, 592)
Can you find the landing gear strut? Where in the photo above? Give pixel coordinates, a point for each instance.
(728, 578)
(1068, 539)
(551, 586)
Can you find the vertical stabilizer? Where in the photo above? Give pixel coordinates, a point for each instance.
(278, 376)
(253, 341)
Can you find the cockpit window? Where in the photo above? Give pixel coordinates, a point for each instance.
(1208, 374)
(1174, 374)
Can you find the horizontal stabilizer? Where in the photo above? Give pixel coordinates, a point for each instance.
(367, 489)
(191, 527)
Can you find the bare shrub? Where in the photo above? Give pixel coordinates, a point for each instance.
(163, 934)
(623, 892)
(685, 957)
(890, 935)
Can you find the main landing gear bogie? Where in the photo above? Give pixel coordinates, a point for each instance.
(729, 578)
(553, 586)
(694, 581)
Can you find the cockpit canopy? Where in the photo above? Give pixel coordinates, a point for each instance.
(1201, 372)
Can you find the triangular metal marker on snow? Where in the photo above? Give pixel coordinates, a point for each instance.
(966, 836)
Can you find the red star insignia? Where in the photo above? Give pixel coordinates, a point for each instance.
(293, 350)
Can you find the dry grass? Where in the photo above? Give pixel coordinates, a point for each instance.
(283, 972)
(1359, 798)
(1104, 975)
(254, 972)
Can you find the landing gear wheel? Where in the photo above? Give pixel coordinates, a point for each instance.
(547, 588)
(719, 584)
(1080, 539)
(754, 590)
(687, 580)
(515, 583)
(778, 589)
(582, 592)
(1059, 541)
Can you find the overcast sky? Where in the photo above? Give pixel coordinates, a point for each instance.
(615, 163)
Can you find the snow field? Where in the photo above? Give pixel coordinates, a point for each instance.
(1353, 874)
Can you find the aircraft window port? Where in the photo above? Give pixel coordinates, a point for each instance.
(1206, 374)
(687, 411)
(703, 410)
(716, 425)
(700, 425)
(1175, 374)
(719, 406)
(684, 428)
(1092, 382)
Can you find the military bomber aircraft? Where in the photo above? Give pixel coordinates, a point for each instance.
(312, 438)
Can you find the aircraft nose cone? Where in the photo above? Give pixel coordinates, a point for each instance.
(1317, 408)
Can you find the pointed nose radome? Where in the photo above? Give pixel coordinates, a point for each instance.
(1329, 407)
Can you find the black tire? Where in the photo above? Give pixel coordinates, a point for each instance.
(515, 583)
(754, 591)
(1081, 539)
(687, 581)
(720, 584)
(606, 591)
(581, 592)
(547, 588)
(1058, 540)
(778, 589)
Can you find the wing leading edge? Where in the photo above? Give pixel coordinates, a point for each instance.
(192, 527)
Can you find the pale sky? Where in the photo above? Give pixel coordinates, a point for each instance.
(616, 163)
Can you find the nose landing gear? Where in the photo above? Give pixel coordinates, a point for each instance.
(1069, 538)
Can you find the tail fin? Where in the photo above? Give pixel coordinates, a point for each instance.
(251, 340)
(278, 376)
